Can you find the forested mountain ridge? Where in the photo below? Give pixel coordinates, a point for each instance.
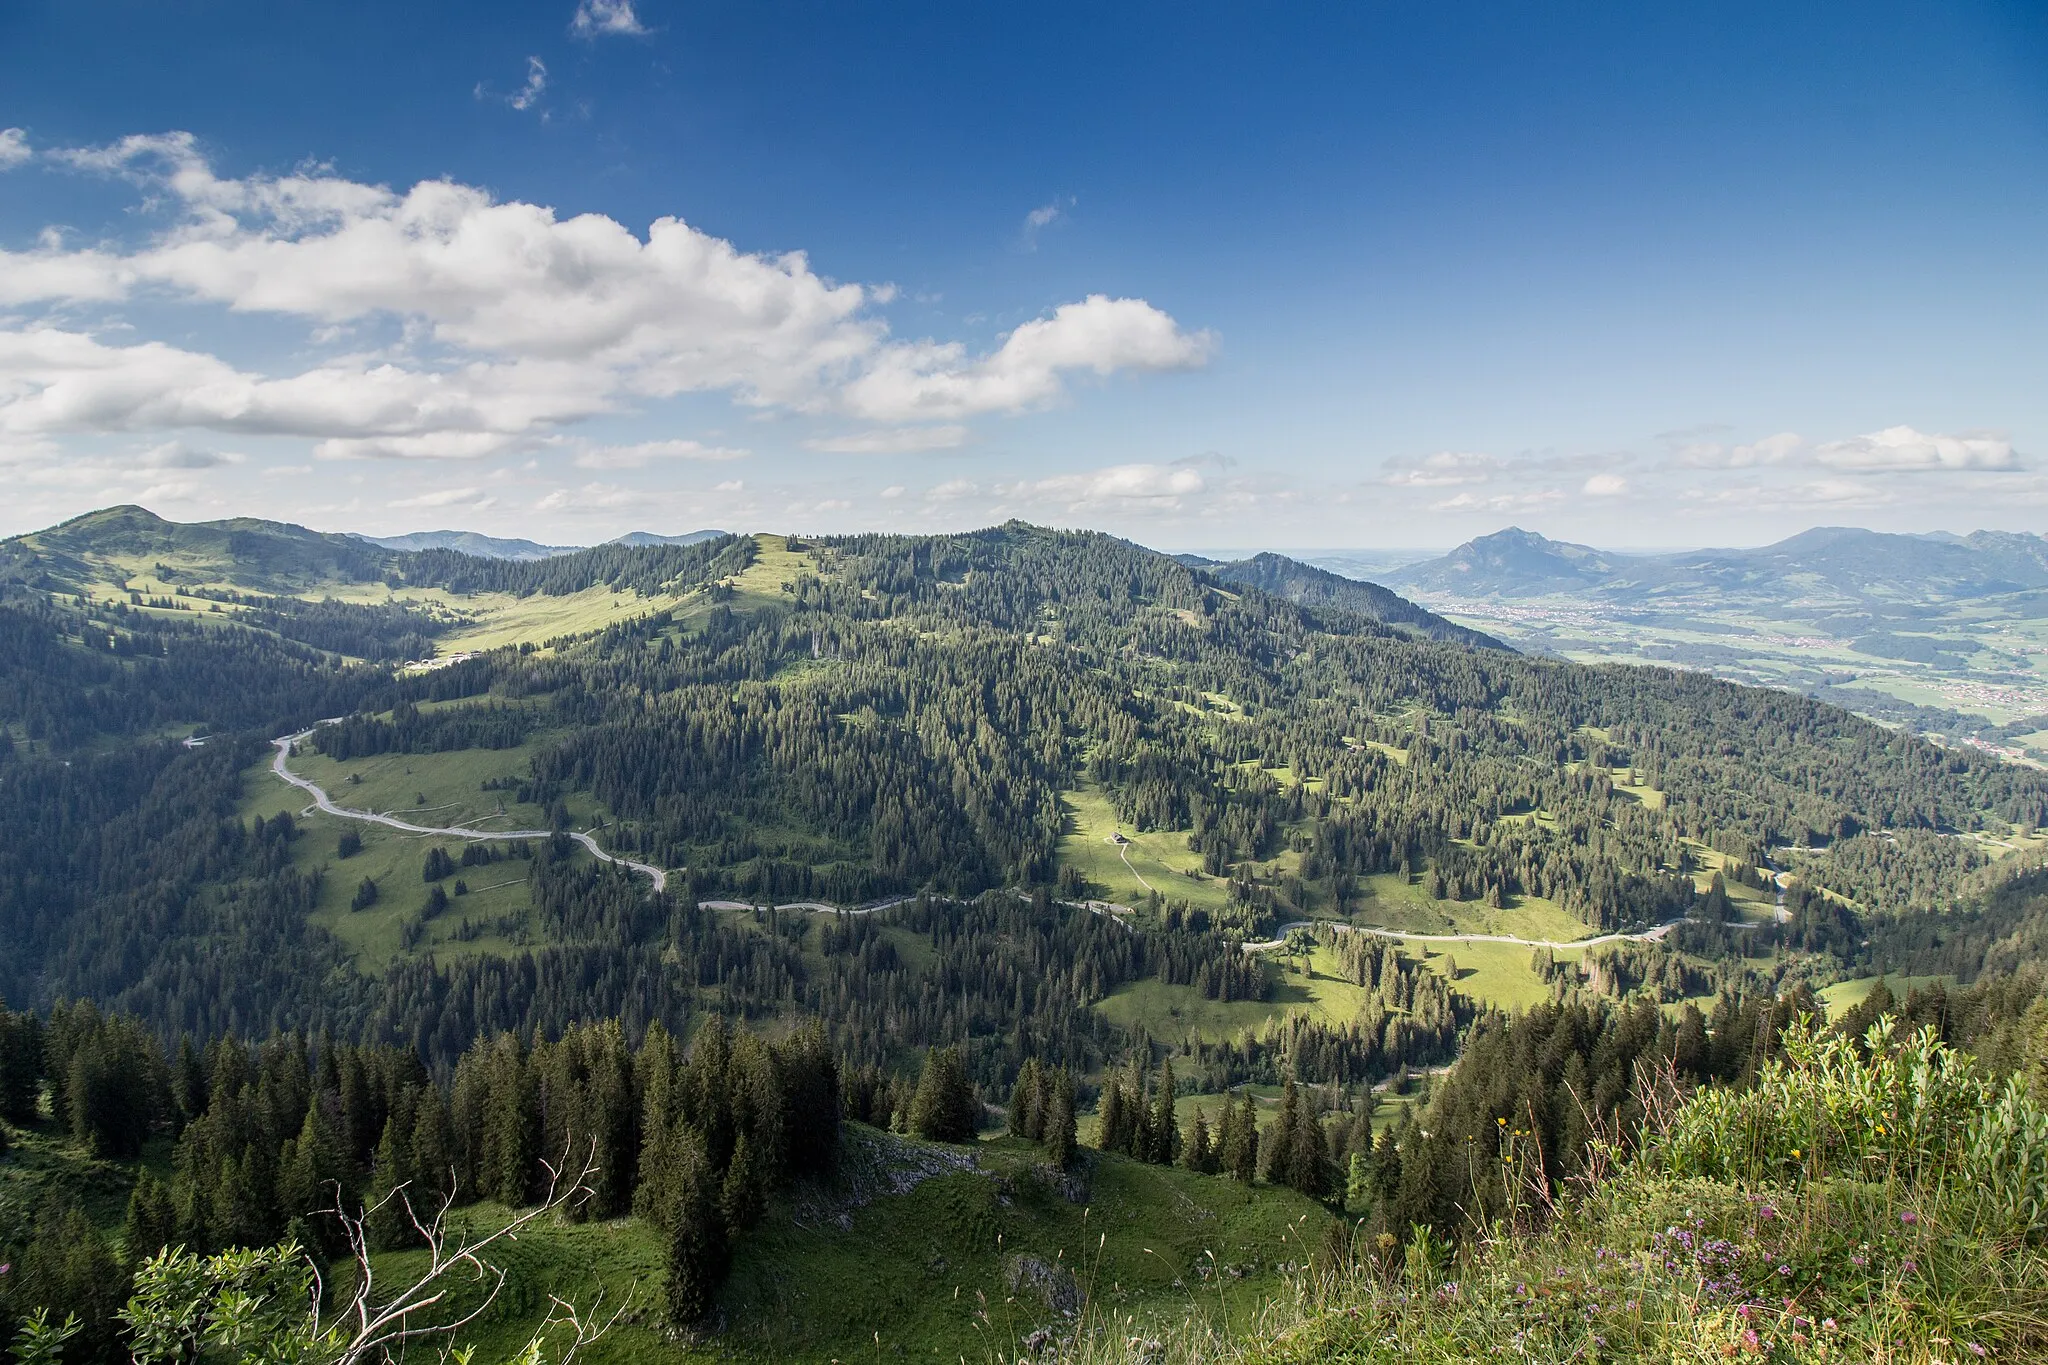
(903, 714)
(1307, 585)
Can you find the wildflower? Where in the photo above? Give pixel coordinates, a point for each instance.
(1977, 1350)
(1909, 1218)
(1795, 1154)
(1909, 1266)
(1784, 1270)
(1767, 1213)
(1828, 1324)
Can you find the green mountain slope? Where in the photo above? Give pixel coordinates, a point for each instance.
(1308, 586)
(868, 718)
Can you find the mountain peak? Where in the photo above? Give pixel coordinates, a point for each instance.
(1510, 563)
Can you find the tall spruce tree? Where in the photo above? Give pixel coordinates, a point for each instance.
(698, 1253)
(1163, 1137)
(1200, 1153)
(1059, 1135)
(152, 1222)
(945, 1109)
(1027, 1102)
(1242, 1156)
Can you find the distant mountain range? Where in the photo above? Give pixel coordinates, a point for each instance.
(493, 547)
(1311, 587)
(1838, 564)
(470, 543)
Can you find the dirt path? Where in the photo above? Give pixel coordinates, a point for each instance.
(1123, 848)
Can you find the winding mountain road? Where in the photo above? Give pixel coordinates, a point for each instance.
(323, 802)
(1643, 936)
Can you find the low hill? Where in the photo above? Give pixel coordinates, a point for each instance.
(635, 538)
(1308, 586)
(245, 551)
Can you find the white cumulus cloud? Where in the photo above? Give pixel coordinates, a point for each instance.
(1604, 486)
(1158, 485)
(1041, 218)
(891, 440)
(591, 497)
(937, 380)
(599, 17)
(14, 150)
(1446, 468)
(1771, 450)
(516, 321)
(644, 453)
(1903, 449)
(1504, 502)
(446, 497)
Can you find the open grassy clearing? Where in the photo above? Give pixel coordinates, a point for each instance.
(498, 897)
(394, 860)
(492, 917)
(1159, 860)
(481, 620)
(1395, 902)
(962, 1265)
(444, 789)
(759, 585)
(1174, 1012)
(1492, 973)
(500, 619)
(1496, 974)
(1847, 995)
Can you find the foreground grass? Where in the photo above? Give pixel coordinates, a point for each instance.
(1884, 1208)
(922, 1251)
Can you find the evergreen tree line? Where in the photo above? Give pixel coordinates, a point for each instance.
(412, 731)
(269, 1139)
(646, 569)
(1533, 1091)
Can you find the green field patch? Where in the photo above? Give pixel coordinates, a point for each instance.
(760, 585)
(493, 916)
(502, 619)
(1394, 902)
(1155, 860)
(1847, 995)
(441, 790)
(1180, 1011)
(1496, 974)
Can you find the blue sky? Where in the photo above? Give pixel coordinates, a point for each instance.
(1206, 275)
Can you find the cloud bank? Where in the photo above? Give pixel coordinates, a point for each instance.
(465, 327)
